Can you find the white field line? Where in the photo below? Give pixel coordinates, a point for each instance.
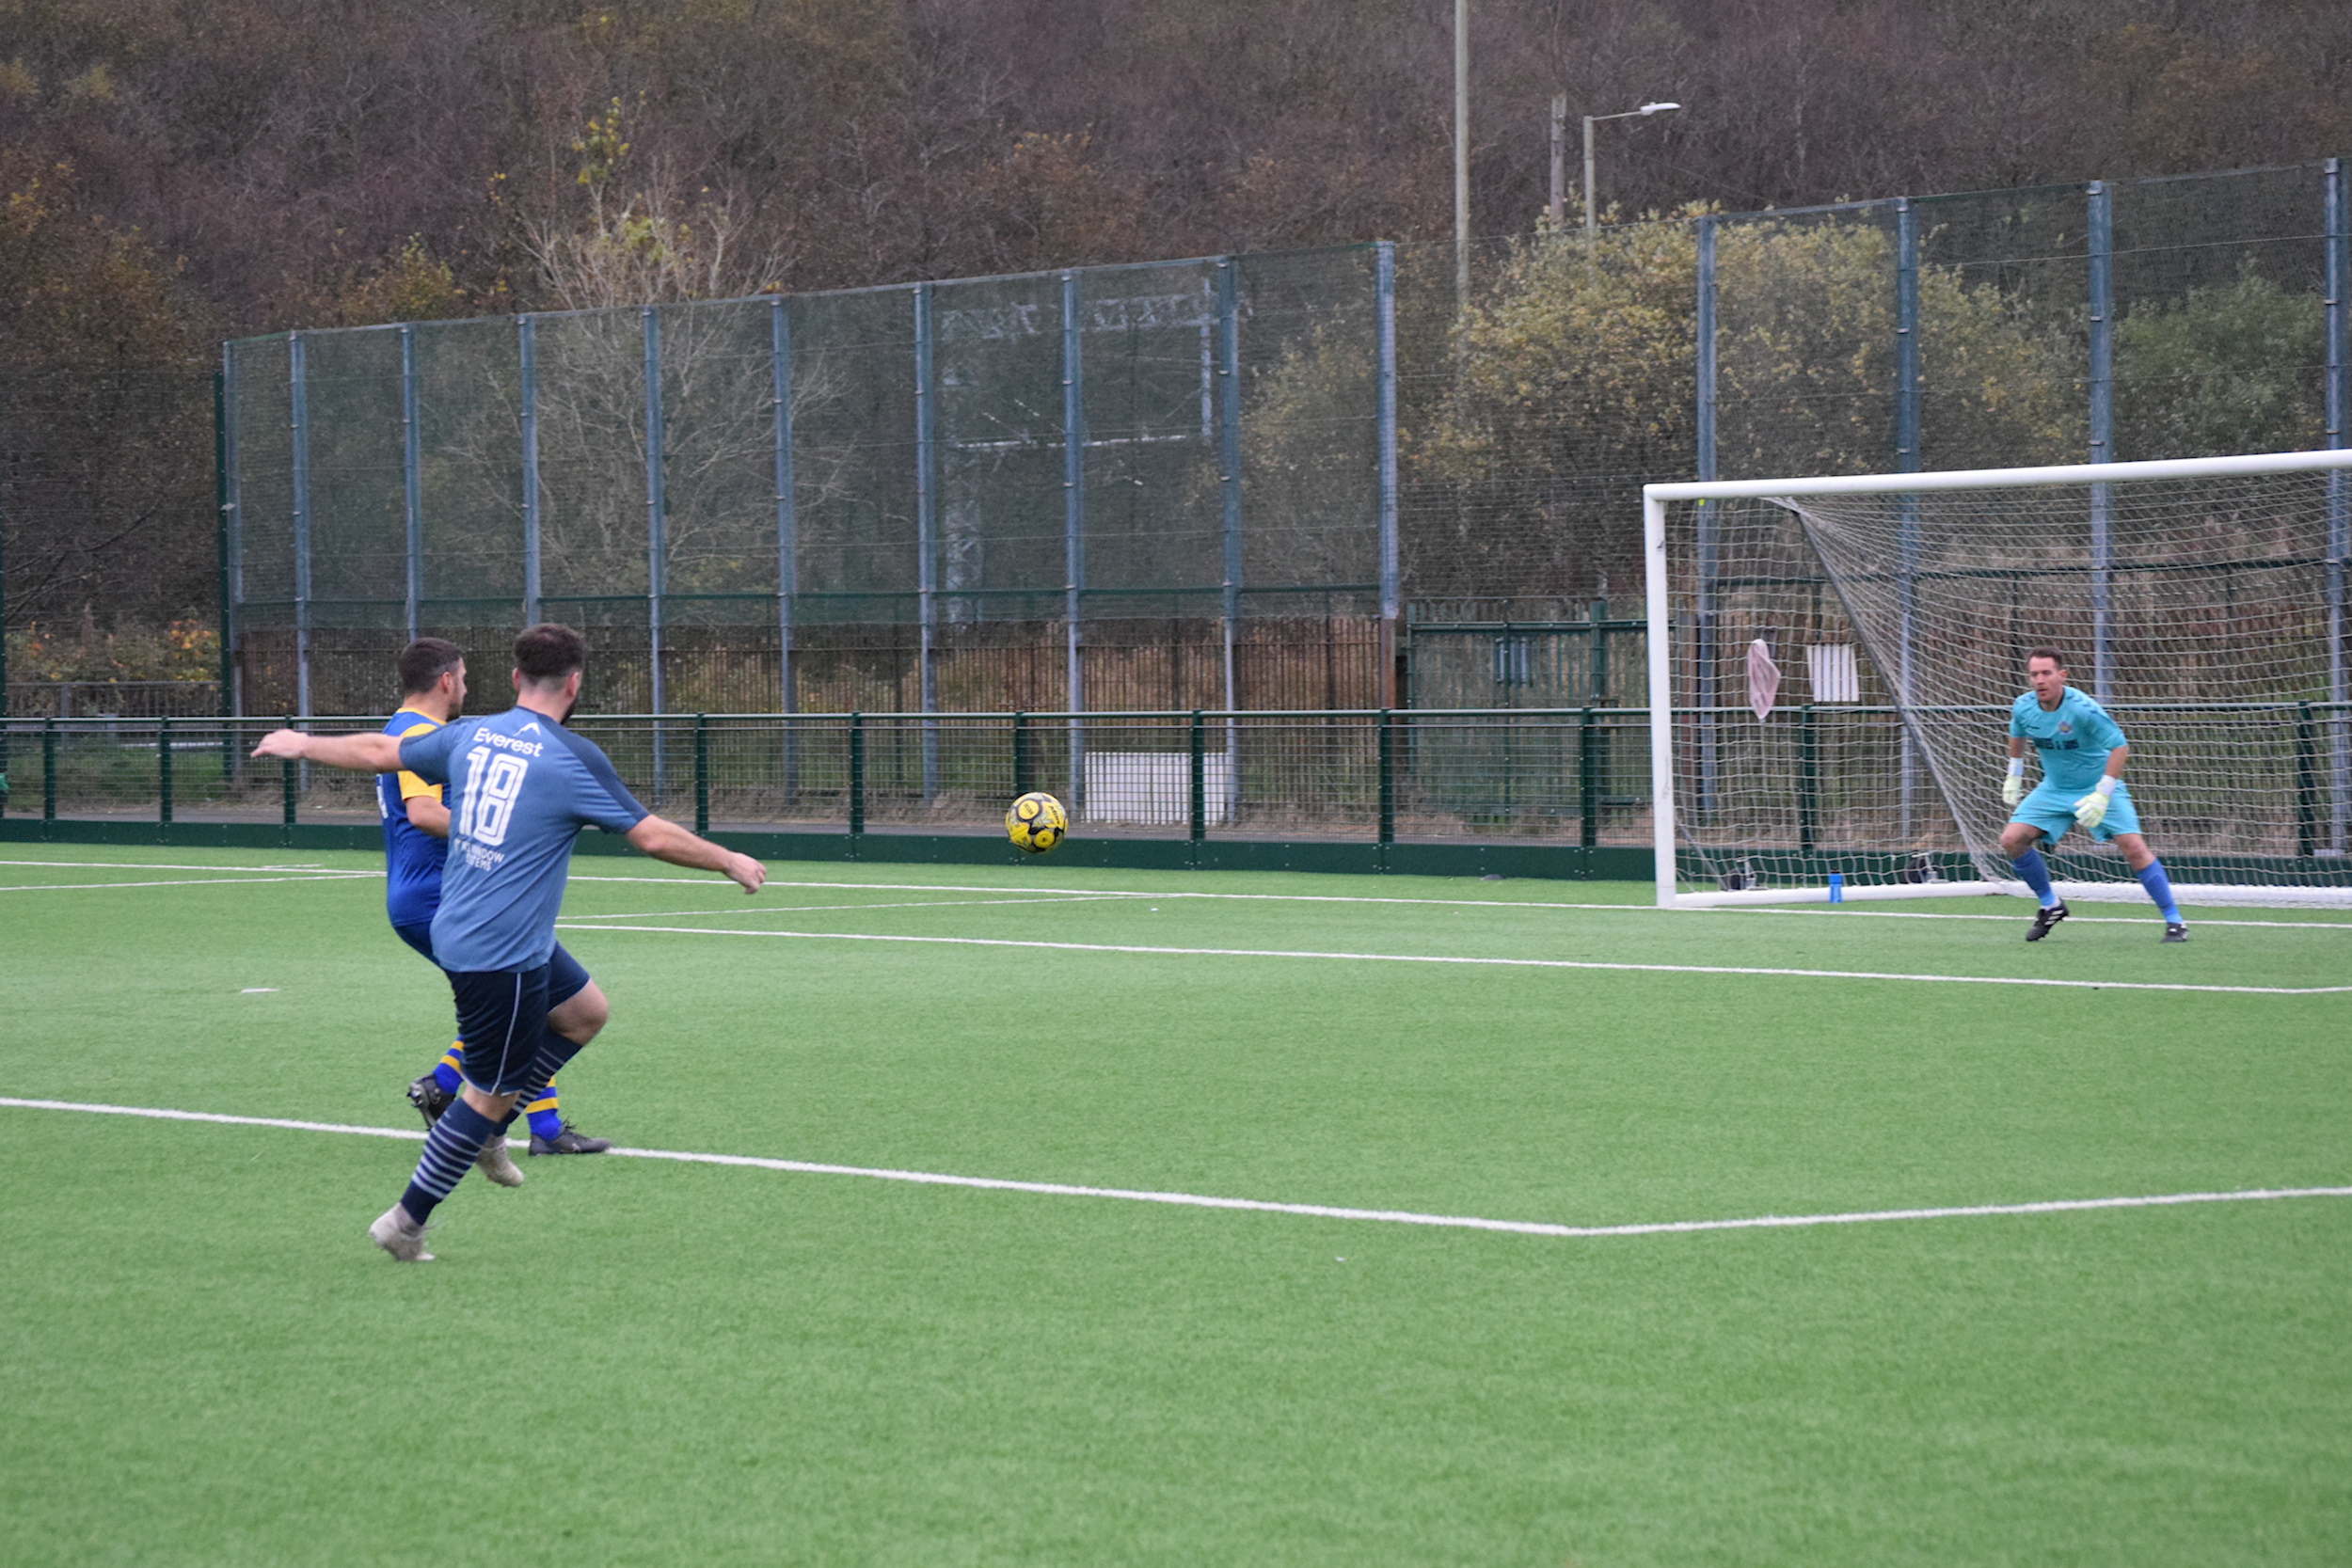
(1311, 1211)
(1508, 963)
(1074, 894)
(192, 881)
(166, 865)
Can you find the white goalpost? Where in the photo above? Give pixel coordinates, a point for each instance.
(1831, 662)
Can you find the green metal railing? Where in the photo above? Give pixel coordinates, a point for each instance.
(1818, 777)
(1538, 775)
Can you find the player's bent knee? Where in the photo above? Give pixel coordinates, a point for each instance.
(491, 1106)
(582, 1014)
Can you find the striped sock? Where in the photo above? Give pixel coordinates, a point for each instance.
(554, 1051)
(449, 1153)
(446, 1071)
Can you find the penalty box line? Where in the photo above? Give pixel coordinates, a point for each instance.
(1308, 1211)
(568, 924)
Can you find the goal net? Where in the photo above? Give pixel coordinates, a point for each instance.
(1832, 662)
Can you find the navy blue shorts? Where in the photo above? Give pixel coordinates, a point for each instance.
(501, 1013)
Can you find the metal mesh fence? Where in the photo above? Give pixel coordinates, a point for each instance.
(1026, 489)
(1314, 478)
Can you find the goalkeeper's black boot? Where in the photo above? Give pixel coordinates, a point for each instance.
(2176, 931)
(569, 1140)
(429, 1098)
(2043, 920)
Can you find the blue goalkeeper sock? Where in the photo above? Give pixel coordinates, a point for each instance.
(445, 1071)
(2036, 876)
(2159, 888)
(448, 1152)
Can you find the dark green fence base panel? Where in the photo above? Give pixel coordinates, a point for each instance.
(196, 835)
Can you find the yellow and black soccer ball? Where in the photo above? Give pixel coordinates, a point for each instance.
(1036, 823)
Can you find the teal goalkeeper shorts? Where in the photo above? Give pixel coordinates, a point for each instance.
(2052, 810)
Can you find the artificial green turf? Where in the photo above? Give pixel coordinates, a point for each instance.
(634, 1362)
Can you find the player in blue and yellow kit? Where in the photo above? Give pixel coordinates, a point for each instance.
(416, 844)
(2083, 752)
(521, 788)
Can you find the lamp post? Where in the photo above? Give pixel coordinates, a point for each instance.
(1592, 207)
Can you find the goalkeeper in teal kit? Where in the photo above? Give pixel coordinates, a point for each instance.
(2083, 752)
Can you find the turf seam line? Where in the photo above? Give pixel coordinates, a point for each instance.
(827, 909)
(1506, 963)
(1310, 1210)
(192, 881)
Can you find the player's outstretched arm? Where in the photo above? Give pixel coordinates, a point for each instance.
(665, 840)
(361, 753)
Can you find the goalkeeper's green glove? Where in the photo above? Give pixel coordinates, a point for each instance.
(2092, 809)
(2013, 787)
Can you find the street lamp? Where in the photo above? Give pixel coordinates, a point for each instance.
(1592, 208)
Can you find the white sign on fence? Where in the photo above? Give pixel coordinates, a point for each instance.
(1154, 788)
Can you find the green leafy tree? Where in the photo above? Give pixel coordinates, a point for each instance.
(1572, 382)
(2234, 367)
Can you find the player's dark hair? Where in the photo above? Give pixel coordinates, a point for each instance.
(547, 652)
(2051, 653)
(423, 662)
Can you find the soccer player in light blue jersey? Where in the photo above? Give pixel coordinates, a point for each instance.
(432, 672)
(521, 788)
(2083, 753)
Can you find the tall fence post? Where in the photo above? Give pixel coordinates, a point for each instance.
(857, 780)
(2306, 780)
(2339, 280)
(1020, 754)
(1073, 512)
(1392, 606)
(1587, 783)
(1808, 780)
(1197, 800)
(288, 782)
(657, 533)
(298, 396)
(2101, 246)
(163, 773)
(1907, 460)
(1386, 787)
(701, 773)
(1703, 652)
(927, 530)
(227, 622)
(4, 603)
(1229, 488)
(48, 770)
(412, 478)
(787, 534)
(229, 486)
(527, 357)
